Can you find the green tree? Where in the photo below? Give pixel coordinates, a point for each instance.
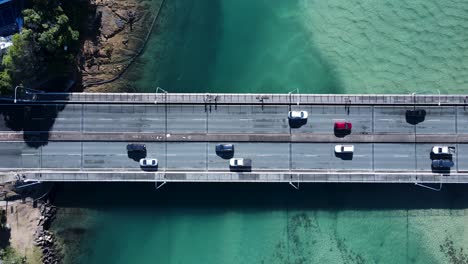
(43, 49)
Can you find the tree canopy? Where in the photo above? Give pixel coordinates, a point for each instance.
(44, 47)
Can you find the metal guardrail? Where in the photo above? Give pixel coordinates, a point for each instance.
(268, 99)
(285, 177)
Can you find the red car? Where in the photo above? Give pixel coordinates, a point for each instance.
(343, 126)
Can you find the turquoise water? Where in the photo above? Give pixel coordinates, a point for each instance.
(336, 46)
(259, 223)
(333, 46)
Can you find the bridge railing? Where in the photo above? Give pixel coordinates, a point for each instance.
(421, 178)
(272, 99)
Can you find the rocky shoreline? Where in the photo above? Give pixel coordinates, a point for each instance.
(45, 239)
(115, 35)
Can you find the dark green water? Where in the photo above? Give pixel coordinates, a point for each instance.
(251, 46)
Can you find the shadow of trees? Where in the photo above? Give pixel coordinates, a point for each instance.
(35, 120)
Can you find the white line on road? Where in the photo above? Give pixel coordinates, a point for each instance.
(105, 119)
(400, 156)
(311, 155)
(360, 156)
(171, 155)
(246, 119)
(198, 119)
(265, 155)
(61, 154)
(433, 120)
(386, 119)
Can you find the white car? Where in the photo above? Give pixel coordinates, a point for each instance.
(240, 163)
(302, 115)
(148, 162)
(443, 150)
(344, 149)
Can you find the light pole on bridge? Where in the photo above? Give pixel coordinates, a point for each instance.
(414, 96)
(16, 88)
(156, 92)
(290, 94)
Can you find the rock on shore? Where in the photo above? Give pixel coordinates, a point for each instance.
(45, 239)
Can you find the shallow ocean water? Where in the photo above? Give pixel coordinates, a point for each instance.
(335, 46)
(249, 46)
(262, 223)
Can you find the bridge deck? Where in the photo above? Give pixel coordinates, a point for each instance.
(86, 138)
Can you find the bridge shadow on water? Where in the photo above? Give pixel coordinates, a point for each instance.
(243, 196)
(35, 120)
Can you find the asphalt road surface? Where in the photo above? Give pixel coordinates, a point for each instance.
(202, 156)
(227, 119)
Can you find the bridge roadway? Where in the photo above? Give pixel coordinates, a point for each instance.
(179, 119)
(87, 142)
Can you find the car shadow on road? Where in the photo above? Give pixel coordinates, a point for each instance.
(433, 156)
(136, 155)
(341, 133)
(246, 169)
(445, 171)
(297, 123)
(225, 155)
(415, 119)
(149, 168)
(344, 156)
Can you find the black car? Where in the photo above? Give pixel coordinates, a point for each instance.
(135, 147)
(442, 163)
(224, 148)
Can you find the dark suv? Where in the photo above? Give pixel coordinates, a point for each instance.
(442, 163)
(134, 147)
(224, 148)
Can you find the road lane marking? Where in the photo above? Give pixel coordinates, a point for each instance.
(400, 156)
(171, 155)
(386, 119)
(61, 154)
(246, 119)
(360, 156)
(433, 120)
(105, 119)
(311, 155)
(265, 155)
(198, 119)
